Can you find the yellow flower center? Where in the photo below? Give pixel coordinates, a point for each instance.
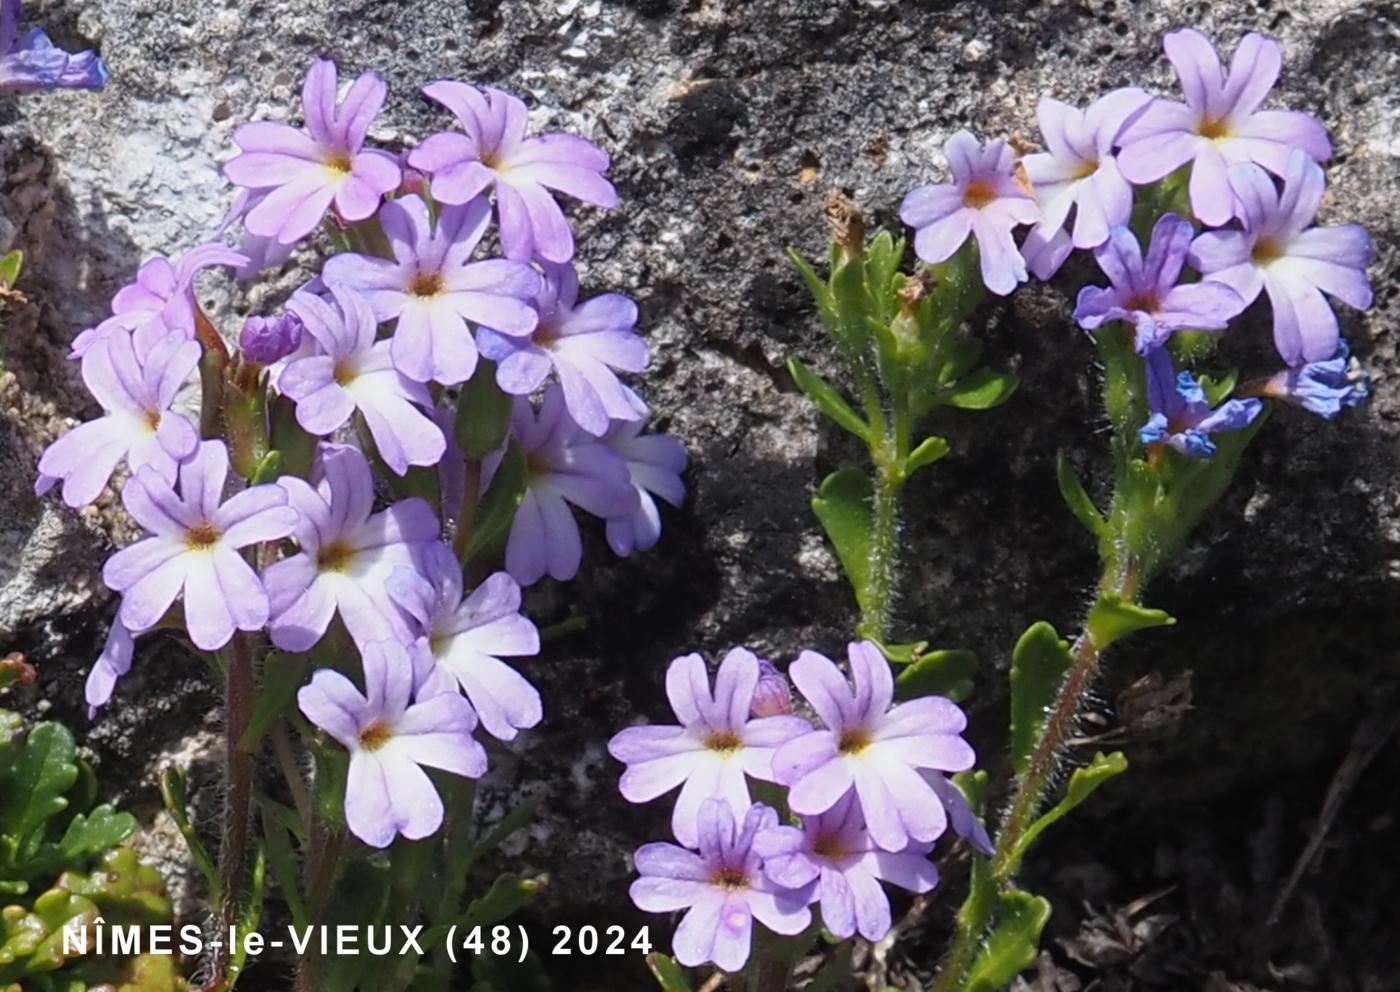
(853, 740)
(344, 372)
(201, 537)
(730, 878)
(1213, 128)
(375, 736)
(334, 557)
(724, 741)
(426, 284)
(1266, 250)
(339, 163)
(978, 194)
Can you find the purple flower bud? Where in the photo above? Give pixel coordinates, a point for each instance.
(265, 340)
(772, 696)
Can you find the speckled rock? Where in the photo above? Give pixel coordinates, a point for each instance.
(728, 122)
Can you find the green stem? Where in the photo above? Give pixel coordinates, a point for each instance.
(239, 690)
(291, 771)
(890, 456)
(326, 844)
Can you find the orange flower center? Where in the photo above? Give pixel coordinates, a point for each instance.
(730, 878)
(426, 284)
(723, 741)
(978, 194)
(375, 736)
(201, 537)
(853, 740)
(334, 557)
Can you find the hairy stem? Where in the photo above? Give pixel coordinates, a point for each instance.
(889, 455)
(238, 777)
(320, 873)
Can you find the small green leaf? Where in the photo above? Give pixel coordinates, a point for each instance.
(904, 654)
(172, 790)
(930, 450)
(1082, 784)
(1112, 618)
(43, 771)
(938, 673)
(10, 267)
(283, 862)
(981, 390)
(267, 470)
(483, 413)
(852, 330)
(91, 834)
(1077, 498)
(506, 896)
(973, 785)
(826, 399)
(844, 506)
(1012, 945)
(1038, 666)
(282, 675)
(821, 293)
(1218, 390)
(499, 502)
(508, 825)
(668, 974)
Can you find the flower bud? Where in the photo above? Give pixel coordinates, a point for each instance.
(772, 696)
(265, 340)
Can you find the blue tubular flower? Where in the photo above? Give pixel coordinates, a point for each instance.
(1324, 388)
(32, 62)
(1181, 415)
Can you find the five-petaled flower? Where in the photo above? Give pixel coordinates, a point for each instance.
(295, 174)
(986, 198)
(872, 748)
(1220, 124)
(491, 152)
(722, 888)
(1279, 252)
(390, 740)
(195, 537)
(1181, 416)
(433, 288)
(716, 744)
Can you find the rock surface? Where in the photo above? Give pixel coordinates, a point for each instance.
(728, 122)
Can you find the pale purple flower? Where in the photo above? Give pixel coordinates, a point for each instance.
(654, 465)
(960, 815)
(773, 695)
(390, 741)
(1181, 416)
(835, 855)
(722, 888)
(355, 372)
(433, 288)
(586, 344)
(876, 750)
(297, 173)
(110, 666)
(985, 199)
(1279, 251)
(1148, 293)
(260, 253)
(160, 301)
(195, 537)
(136, 424)
(347, 554)
(1325, 388)
(566, 466)
(463, 639)
(30, 61)
(267, 340)
(715, 745)
(1078, 173)
(492, 152)
(1220, 124)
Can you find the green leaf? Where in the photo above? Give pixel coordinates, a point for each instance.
(507, 895)
(499, 502)
(1082, 784)
(1077, 498)
(930, 450)
(668, 974)
(91, 834)
(903, 654)
(507, 826)
(1218, 390)
(282, 675)
(1038, 666)
(268, 470)
(283, 862)
(1012, 945)
(938, 673)
(43, 771)
(844, 507)
(821, 293)
(172, 791)
(973, 785)
(826, 399)
(852, 330)
(483, 413)
(10, 266)
(1112, 618)
(981, 390)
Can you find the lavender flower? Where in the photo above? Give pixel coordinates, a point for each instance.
(297, 173)
(834, 853)
(585, 344)
(1078, 173)
(654, 465)
(348, 553)
(267, 340)
(1279, 252)
(193, 548)
(111, 665)
(1181, 416)
(493, 152)
(986, 199)
(31, 61)
(137, 423)
(1147, 295)
(463, 640)
(160, 301)
(390, 740)
(355, 372)
(432, 287)
(960, 815)
(871, 748)
(722, 888)
(565, 466)
(772, 696)
(1219, 125)
(1324, 388)
(715, 745)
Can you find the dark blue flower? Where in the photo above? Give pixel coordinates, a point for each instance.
(32, 62)
(1324, 388)
(1181, 415)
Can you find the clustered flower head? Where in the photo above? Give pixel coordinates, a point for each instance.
(310, 515)
(869, 783)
